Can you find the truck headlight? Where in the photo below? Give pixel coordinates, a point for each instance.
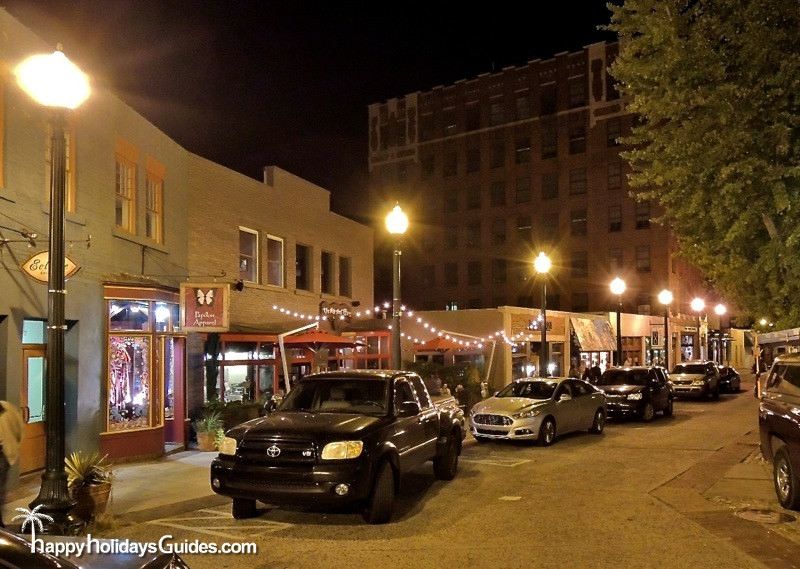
(635, 395)
(228, 446)
(527, 414)
(699, 382)
(342, 450)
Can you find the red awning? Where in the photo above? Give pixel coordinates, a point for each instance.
(317, 338)
(438, 344)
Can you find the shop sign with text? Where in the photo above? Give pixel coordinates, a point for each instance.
(38, 266)
(205, 307)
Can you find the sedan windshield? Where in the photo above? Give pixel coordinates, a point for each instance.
(623, 377)
(529, 389)
(361, 396)
(698, 369)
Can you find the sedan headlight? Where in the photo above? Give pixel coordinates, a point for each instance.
(699, 382)
(635, 396)
(527, 414)
(342, 450)
(228, 446)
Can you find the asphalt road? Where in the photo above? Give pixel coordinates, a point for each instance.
(636, 496)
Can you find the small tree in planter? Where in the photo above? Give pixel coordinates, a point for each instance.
(89, 477)
(206, 428)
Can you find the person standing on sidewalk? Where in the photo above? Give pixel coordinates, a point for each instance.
(10, 436)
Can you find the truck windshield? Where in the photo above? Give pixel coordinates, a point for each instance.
(360, 396)
(623, 377)
(529, 389)
(698, 369)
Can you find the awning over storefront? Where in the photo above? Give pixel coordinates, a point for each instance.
(594, 334)
(780, 336)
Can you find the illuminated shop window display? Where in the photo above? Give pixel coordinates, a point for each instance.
(130, 382)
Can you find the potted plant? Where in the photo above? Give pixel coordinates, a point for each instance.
(206, 428)
(89, 477)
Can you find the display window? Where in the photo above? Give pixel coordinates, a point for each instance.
(129, 394)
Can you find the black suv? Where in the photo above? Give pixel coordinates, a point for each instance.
(637, 391)
(779, 426)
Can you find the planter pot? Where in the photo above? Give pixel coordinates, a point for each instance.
(91, 500)
(205, 441)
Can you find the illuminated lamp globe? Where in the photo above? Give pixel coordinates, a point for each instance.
(720, 309)
(763, 321)
(397, 221)
(53, 80)
(698, 304)
(665, 297)
(617, 286)
(542, 263)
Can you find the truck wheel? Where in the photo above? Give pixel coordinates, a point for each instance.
(445, 465)
(381, 500)
(787, 485)
(243, 508)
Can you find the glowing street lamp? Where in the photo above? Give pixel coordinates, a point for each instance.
(720, 310)
(397, 225)
(542, 264)
(665, 298)
(618, 287)
(55, 82)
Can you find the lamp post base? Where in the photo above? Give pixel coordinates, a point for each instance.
(55, 501)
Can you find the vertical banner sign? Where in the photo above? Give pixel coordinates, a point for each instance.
(205, 307)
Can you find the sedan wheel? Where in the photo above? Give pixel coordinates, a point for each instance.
(599, 422)
(787, 485)
(668, 410)
(648, 412)
(547, 432)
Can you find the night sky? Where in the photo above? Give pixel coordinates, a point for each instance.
(254, 83)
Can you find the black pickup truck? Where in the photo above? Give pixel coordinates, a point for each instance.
(338, 438)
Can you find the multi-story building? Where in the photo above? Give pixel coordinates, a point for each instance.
(494, 169)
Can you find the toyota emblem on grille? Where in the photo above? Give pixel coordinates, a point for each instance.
(273, 451)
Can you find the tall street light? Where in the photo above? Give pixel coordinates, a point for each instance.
(720, 310)
(542, 264)
(55, 82)
(396, 224)
(665, 298)
(698, 305)
(617, 287)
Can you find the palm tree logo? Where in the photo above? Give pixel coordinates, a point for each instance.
(33, 517)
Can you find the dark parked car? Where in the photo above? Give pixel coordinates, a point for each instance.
(729, 379)
(636, 391)
(695, 379)
(338, 438)
(779, 426)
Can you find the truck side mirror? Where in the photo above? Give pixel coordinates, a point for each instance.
(408, 409)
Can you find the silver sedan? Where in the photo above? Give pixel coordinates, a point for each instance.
(539, 409)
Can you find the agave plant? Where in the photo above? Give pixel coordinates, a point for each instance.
(211, 422)
(84, 468)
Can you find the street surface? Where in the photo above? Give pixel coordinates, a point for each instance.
(686, 491)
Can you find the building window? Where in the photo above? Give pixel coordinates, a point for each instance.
(497, 113)
(125, 189)
(451, 237)
(426, 130)
(577, 222)
(613, 132)
(426, 165)
(474, 273)
(579, 263)
(248, 255)
(450, 167)
(577, 133)
(302, 267)
(451, 274)
(154, 217)
(452, 305)
(577, 181)
(498, 194)
(549, 186)
(499, 231)
(129, 389)
(326, 272)
(523, 106)
(473, 159)
(428, 276)
(524, 228)
(612, 93)
(615, 259)
(449, 121)
(523, 191)
(451, 200)
(614, 175)
(549, 96)
(499, 271)
(473, 234)
(642, 215)
(402, 172)
(577, 91)
(498, 154)
(274, 261)
(523, 150)
(345, 277)
(580, 302)
(549, 140)
(550, 226)
(472, 116)
(474, 197)
(614, 218)
(70, 197)
(643, 259)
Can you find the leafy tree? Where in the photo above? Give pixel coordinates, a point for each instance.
(715, 84)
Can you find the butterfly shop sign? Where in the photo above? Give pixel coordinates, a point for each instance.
(205, 307)
(37, 267)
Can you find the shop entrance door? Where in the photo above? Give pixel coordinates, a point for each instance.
(174, 378)
(34, 441)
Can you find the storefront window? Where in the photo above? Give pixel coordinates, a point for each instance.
(164, 314)
(129, 315)
(129, 382)
(239, 382)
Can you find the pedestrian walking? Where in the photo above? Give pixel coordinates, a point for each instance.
(461, 396)
(484, 390)
(445, 390)
(10, 436)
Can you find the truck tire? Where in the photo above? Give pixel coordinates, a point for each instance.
(243, 508)
(787, 484)
(445, 465)
(381, 500)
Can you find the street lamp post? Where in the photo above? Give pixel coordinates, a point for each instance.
(698, 305)
(542, 264)
(55, 82)
(617, 287)
(720, 310)
(665, 298)
(396, 224)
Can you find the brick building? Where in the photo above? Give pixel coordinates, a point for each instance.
(496, 168)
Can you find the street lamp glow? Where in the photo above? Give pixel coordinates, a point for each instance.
(763, 321)
(397, 221)
(665, 297)
(542, 263)
(698, 304)
(617, 286)
(720, 309)
(53, 80)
